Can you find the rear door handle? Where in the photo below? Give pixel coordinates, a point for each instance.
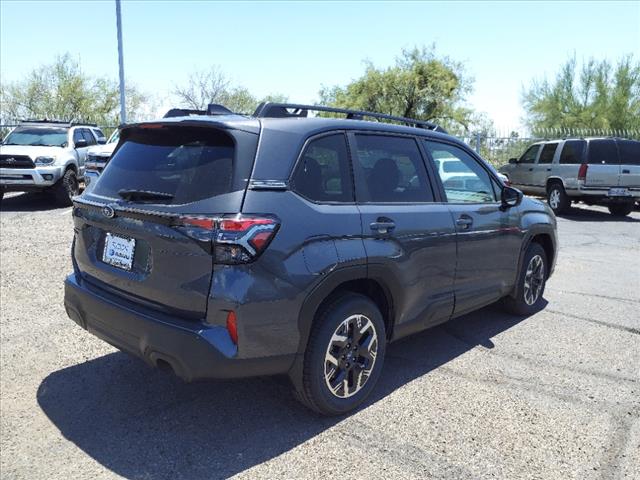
(531, 169)
(548, 169)
(464, 222)
(382, 226)
(626, 171)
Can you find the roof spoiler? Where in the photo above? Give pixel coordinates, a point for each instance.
(212, 109)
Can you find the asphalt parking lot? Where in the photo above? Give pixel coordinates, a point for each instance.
(555, 395)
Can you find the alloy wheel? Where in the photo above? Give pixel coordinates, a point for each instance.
(533, 280)
(350, 356)
(554, 198)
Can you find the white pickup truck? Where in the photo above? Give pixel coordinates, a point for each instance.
(46, 156)
(596, 171)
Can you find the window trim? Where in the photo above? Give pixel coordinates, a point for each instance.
(308, 140)
(351, 134)
(477, 159)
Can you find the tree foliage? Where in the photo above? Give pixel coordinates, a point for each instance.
(600, 95)
(420, 85)
(62, 91)
(213, 86)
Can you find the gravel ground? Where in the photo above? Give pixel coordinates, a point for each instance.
(555, 395)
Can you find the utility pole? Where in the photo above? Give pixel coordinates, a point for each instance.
(123, 110)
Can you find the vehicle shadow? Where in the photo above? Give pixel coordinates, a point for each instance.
(586, 215)
(28, 202)
(142, 423)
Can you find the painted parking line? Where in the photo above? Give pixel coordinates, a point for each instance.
(67, 211)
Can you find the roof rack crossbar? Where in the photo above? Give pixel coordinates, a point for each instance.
(58, 122)
(280, 110)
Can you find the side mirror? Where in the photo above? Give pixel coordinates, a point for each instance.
(513, 160)
(511, 197)
(81, 143)
(102, 141)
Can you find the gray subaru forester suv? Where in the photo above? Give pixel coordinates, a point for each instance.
(219, 245)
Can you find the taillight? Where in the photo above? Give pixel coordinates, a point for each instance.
(232, 326)
(238, 239)
(582, 172)
(242, 238)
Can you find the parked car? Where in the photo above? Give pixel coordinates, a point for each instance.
(46, 156)
(97, 158)
(227, 246)
(597, 171)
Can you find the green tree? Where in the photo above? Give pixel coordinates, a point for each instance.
(599, 96)
(420, 85)
(213, 86)
(62, 91)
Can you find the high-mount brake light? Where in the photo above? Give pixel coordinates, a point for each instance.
(242, 238)
(582, 172)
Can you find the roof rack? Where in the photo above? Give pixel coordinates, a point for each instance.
(58, 122)
(283, 110)
(212, 109)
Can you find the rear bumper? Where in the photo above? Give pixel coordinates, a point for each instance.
(602, 193)
(194, 350)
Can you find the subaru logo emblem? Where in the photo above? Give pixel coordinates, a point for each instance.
(108, 212)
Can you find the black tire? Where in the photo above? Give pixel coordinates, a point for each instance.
(66, 188)
(520, 301)
(316, 393)
(621, 209)
(558, 199)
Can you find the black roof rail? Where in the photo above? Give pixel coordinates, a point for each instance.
(212, 109)
(283, 110)
(58, 122)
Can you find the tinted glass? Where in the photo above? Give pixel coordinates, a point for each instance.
(629, 152)
(548, 152)
(77, 135)
(186, 164)
(530, 155)
(323, 173)
(603, 152)
(573, 152)
(88, 136)
(472, 183)
(390, 170)
(37, 136)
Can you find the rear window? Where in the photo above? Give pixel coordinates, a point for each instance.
(603, 152)
(572, 152)
(183, 164)
(629, 152)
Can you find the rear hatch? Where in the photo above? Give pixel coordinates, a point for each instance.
(629, 151)
(145, 231)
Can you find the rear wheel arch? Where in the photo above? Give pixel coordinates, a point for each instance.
(348, 280)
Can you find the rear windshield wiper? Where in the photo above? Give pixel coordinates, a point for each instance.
(142, 195)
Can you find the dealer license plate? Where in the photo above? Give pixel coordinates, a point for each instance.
(118, 251)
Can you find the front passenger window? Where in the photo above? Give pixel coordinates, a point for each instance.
(465, 180)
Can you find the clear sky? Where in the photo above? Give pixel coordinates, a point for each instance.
(295, 47)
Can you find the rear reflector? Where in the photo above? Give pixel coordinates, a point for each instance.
(582, 172)
(232, 326)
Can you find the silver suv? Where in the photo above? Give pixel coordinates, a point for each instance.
(46, 156)
(596, 171)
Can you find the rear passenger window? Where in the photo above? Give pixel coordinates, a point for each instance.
(88, 136)
(573, 152)
(629, 152)
(323, 173)
(390, 170)
(548, 152)
(603, 152)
